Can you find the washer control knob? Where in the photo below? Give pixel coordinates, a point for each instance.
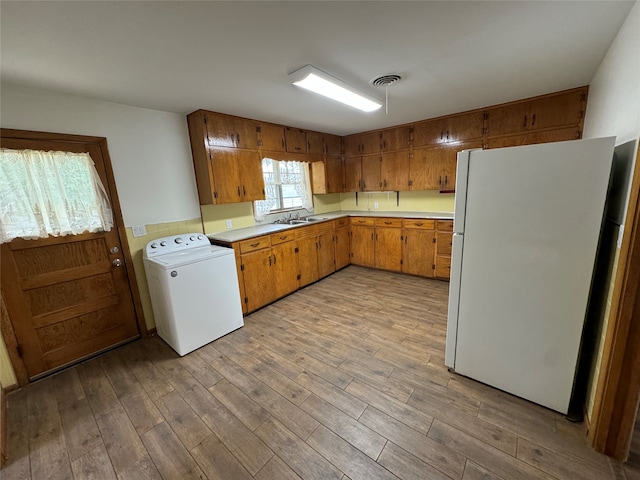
(200, 237)
(192, 238)
(163, 243)
(178, 240)
(154, 245)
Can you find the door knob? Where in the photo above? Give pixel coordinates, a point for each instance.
(117, 262)
(114, 250)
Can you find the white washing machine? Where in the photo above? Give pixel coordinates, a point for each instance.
(194, 290)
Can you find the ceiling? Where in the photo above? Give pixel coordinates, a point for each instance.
(234, 57)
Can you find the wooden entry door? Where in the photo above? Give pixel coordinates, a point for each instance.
(67, 297)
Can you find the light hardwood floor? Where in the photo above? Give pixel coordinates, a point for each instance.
(341, 380)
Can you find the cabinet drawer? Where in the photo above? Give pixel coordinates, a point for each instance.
(252, 244)
(308, 230)
(388, 222)
(341, 222)
(444, 225)
(443, 267)
(362, 221)
(282, 237)
(419, 223)
(443, 243)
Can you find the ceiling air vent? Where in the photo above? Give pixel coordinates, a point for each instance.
(385, 80)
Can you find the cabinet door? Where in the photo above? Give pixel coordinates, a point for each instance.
(258, 279)
(465, 127)
(285, 268)
(557, 110)
(296, 140)
(315, 144)
(530, 138)
(352, 174)
(308, 260)
(272, 137)
(243, 294)
(395, 139)
(443, 267)
(371, 181)
(424, 169)
(388, 248)
(326, 254)
(362, 245)
(334, 174)
(448, 162)
(418, 253)
(443, 243)
(225, 169)
(231, 132)
(251, 178)
(343, 247)
(508, 119)
(332, 145)
(362, 144)
(429, 132)
(394, 170)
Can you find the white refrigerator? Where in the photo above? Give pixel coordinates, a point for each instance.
(527, 223)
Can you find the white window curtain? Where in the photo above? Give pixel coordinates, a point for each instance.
(287, 185)
(50, 193)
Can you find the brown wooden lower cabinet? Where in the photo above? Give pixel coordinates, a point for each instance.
(343, 246)
(418, 254)
(363, 245)
(270, 267)
(388, 244)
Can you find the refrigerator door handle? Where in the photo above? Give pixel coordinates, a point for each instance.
(457, 243)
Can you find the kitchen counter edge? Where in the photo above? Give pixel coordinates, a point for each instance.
(266, 229)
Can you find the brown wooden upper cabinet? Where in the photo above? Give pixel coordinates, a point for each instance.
(315, 143)
(272, 137)
(394, 170)
(362, 144)
(551, 111)
(332, 145)
(397, 138)
(446, 130)
(227, 131)
(296, 140)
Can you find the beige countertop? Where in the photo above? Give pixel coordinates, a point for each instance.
(236, 235)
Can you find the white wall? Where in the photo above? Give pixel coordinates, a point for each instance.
(149, 149)
(613, 107)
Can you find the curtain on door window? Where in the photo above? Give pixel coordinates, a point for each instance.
(287, 185)
(50, 193)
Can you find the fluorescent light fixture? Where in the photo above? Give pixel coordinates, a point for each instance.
(317, 81)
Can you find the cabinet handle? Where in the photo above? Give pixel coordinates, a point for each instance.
(440, 180)
(239, 191)
(441, 136)
(405, 239)
(372, 236)
(254, 245)
(237, 139)
(316, 245)
(419, 224)
(269, 260)
(283, 237)
(387, 223)
(274, 259)
(244, 191)
(446, 180)
(533, 120)
(283, 143)
(385, 183)
(525, 121)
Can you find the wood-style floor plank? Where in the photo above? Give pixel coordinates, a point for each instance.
(344, 380)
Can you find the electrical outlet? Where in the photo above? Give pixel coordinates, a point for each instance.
(375, 205)
(229, 225)
(139, 230)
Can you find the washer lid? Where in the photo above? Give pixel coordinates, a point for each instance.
(185, 257)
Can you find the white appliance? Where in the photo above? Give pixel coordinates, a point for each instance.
(194, 290)
(527, 223)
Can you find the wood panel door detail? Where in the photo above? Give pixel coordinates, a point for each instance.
(68, 297)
